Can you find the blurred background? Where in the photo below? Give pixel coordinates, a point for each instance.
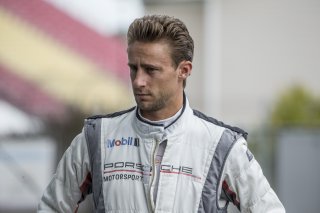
(256, 66)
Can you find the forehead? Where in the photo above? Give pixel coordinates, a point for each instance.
(158, 49)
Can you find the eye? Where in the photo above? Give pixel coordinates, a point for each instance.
(150, 70)
(133, 69)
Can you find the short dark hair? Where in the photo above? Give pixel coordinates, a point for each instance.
(151, 28)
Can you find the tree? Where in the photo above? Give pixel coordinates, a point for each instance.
(296, 107)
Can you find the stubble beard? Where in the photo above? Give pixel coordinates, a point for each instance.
(158, 104)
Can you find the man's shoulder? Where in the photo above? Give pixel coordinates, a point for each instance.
(111, 115)
(219, 123)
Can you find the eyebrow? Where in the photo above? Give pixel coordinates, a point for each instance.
(144, 65)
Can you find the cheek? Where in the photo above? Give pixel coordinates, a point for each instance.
(173, 80)
(170, 84)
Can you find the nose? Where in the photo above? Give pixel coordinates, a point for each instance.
(138, 78)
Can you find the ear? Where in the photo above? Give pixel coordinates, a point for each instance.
(184, 69)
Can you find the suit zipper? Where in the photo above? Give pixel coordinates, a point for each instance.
(154, 172)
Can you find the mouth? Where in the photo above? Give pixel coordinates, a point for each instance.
(142, 96)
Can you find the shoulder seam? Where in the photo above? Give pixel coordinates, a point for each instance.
(219, 123)
(111, 115)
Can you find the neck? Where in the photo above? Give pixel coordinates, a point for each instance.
(165, 122)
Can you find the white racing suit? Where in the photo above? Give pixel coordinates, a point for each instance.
(206, 165)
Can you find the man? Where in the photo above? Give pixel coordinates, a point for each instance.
(160, 156)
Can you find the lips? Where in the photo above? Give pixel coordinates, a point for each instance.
(139, 95)
(142, 96)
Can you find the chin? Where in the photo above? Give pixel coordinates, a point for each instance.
(145, 107)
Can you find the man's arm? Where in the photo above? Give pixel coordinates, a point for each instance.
(71, 181)
(244, 184)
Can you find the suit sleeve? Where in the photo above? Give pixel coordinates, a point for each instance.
(244, 184)
(71, 182)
